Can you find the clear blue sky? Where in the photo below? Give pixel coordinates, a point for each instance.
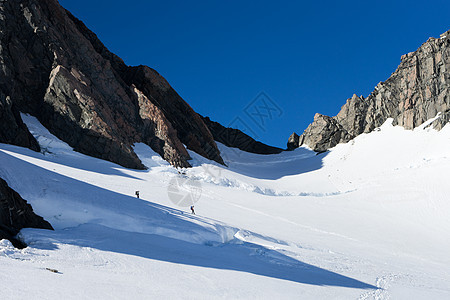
(307, 56)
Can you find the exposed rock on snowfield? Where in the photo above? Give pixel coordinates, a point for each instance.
(325, 132)
(15, 214)
(293, 141)
(416, 92)
(237, 139)
(12, 129)
(56, 69)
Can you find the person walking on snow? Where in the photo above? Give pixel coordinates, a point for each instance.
(192, 210)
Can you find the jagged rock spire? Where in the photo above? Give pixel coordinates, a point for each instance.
(417, 91)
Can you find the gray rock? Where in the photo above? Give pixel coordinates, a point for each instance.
(443, 119)
(351, 116)
(190, 128)
(293, 141)
(324, 133)
(416, 92)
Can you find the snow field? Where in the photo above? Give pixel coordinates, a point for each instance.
(366, 220)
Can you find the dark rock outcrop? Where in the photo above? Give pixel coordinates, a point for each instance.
(53, 67)
(12, 129)
(15, 214)
(417, 91)
(237, 139)
(191, 130)
(293, 141)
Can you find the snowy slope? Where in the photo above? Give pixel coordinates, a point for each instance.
(366, 220)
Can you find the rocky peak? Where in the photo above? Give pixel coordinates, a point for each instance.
(53, 67)
(416, 92)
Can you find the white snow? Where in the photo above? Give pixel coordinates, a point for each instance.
(366, 220)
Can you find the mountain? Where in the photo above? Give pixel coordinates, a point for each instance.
(78, 125)
(417, 91)
(53, 67)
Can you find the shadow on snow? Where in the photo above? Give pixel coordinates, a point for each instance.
(241, 257)
(73, 160)
(123, 224)
(273, 166)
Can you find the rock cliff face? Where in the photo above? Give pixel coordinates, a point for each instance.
(417, 91)
(237, 139)
(12, 129)
(191, 130)
(15, 214)
(53, 67)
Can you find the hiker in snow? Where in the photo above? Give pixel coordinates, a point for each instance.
(137, 194)
(192, 210)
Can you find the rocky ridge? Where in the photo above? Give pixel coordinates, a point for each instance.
(53, 67)
(416, 92)
(237, 139)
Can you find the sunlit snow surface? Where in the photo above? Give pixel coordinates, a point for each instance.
(366, 220)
